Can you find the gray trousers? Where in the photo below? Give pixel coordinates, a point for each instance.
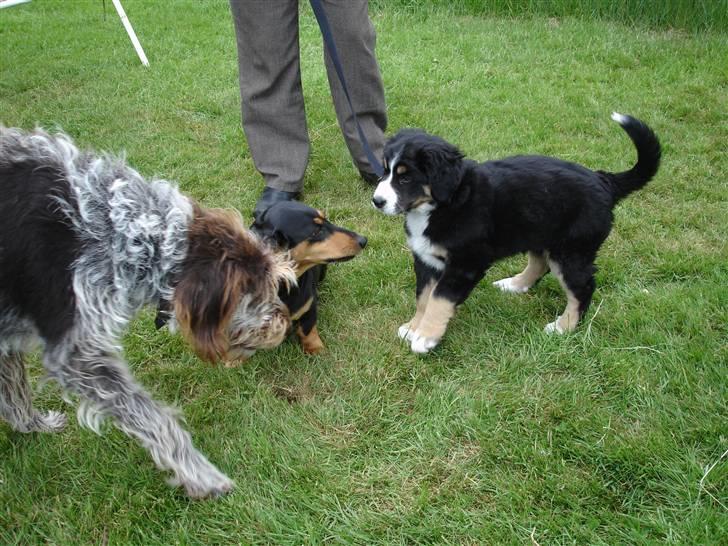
(274, 117)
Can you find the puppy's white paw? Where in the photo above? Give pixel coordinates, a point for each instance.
(553, 328)
(421, 344)
(405, 332)
(509, 285)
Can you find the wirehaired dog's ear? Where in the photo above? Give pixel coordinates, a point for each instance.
(283, 271)
(444, 163)
(222, 259)
(204, 301)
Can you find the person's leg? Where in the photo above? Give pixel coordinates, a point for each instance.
(355, 41)
(274, 118)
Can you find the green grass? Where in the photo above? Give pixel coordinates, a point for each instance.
(503, 434)
(693, 15)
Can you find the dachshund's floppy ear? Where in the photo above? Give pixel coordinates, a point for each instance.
(264, 229)
(444, 164)
(259, 216)
(260, 226)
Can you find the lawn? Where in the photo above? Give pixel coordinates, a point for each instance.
(503, 434)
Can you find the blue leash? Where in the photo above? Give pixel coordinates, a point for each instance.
(323, 22)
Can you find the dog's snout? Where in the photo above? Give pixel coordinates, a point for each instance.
(378, 202)
(362, 241)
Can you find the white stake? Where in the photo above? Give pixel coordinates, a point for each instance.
(8, 3)
(130, 32)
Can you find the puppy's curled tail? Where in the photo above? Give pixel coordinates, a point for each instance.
(648, 157)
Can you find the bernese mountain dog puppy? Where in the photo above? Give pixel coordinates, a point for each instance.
(461, 216)
(312, 241)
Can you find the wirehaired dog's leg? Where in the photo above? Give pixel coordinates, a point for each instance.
(105, 383)
(16, 404)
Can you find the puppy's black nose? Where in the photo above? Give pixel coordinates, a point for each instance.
(362, 241)
(378, 202)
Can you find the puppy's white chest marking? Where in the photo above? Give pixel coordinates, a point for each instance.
(432, 254)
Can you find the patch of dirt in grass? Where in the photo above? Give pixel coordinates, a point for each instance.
(296, 393)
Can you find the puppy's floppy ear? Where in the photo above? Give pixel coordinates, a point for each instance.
(443, 163)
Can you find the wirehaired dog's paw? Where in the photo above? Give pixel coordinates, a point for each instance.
(208, 484)
(509, 285)
(406, 332)
(421, 344)
(52, 421)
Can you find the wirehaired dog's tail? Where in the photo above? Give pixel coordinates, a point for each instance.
(648, 158)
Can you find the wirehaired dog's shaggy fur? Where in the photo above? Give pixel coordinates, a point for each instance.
(85, 243)
(461, 216)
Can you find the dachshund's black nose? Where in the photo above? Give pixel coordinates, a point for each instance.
(378, 202)
(362, 241)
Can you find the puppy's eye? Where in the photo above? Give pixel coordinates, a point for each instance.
(403, 180)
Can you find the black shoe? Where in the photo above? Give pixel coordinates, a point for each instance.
(369, 178)
(271, 196)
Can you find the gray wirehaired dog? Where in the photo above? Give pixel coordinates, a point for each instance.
(85, 243)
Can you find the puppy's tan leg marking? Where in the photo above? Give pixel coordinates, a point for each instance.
(570, 317)
(407, 330)
(536, 268)
(434, 322)
(311, 343)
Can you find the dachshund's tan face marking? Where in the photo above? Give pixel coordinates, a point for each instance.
(337, 246)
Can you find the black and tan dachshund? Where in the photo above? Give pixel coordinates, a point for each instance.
(313, 242)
